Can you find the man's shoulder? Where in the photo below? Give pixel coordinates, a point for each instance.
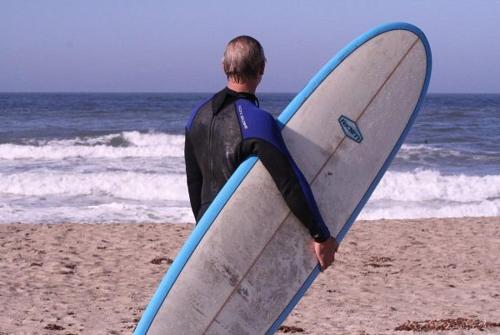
(250, 110)
(196, 109)
(256, 122)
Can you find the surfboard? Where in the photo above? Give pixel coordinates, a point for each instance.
(249, 260)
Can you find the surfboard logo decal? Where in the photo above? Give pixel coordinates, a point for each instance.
(350, 129)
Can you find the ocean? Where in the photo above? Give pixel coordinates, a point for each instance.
(118, 158)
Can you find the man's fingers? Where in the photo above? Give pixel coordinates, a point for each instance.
(331, 259)
(326, 262)
(321, 264)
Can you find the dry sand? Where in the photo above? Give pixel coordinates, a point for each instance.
(97, 279)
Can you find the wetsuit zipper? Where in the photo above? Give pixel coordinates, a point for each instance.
(210, 156)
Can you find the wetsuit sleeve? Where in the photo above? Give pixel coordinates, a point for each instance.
(194, 176)
(289, 180)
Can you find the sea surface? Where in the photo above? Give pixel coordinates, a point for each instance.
(119, 158)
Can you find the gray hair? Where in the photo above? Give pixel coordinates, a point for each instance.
(243, 59)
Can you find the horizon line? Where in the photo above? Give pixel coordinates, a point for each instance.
(194, 92)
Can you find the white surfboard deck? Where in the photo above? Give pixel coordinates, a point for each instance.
(249, 260)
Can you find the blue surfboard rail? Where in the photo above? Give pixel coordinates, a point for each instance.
(241, 172)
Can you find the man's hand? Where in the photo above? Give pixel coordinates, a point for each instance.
(325, 252)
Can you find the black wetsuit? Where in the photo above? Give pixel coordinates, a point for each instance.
(225, 130)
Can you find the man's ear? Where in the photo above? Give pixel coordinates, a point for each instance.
(262, 68)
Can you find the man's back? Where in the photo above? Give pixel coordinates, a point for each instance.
(213, 142)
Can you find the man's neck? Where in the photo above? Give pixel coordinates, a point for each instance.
(242, 87)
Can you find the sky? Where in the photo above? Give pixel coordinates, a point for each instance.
(176, 46)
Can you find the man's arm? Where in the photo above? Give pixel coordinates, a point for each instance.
(297, 194)
(261, 136)
(194, 176)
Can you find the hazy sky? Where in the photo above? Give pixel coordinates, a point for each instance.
(176, 46)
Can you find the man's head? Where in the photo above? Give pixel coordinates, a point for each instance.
(244, 60)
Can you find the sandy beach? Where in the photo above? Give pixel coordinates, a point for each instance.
(389, 274)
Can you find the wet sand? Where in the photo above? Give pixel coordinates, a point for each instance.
(389, 274)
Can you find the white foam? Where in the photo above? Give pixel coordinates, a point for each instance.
(428, 185)
(121, 184)
(125, 144)
(123, 177)
(115, 185)
(104, 213)
(430, 210)
(427, 193)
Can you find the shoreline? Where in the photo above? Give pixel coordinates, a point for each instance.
(97, 278)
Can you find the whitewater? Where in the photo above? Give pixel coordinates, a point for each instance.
(134, 177)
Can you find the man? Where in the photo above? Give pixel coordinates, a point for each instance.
(227, 128)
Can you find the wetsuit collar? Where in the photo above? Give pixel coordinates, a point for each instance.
(227, 96)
